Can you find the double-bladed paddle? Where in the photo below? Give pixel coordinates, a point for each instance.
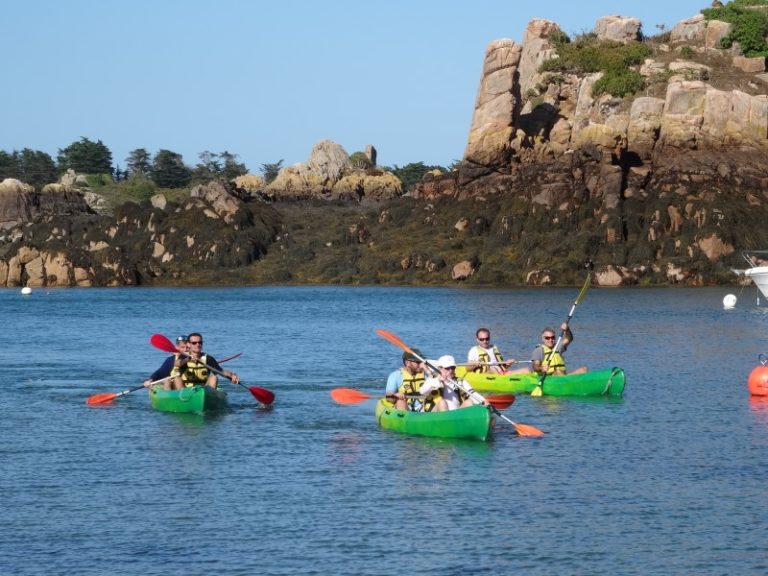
(539, 390)
(352, 396)
(105, 397)
(263, 395)
(521, 429)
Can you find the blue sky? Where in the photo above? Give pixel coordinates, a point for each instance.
(266, 80)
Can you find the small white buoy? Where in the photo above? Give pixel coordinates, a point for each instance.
(729, 301)
(26, 290)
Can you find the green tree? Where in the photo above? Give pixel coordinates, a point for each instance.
(169, 171)
(360, 161)
(139, 162)
(33, 167)
(86, 157)
(36, 168)
(411, 173)
(270, 171)
(8, 168)
(232, 168)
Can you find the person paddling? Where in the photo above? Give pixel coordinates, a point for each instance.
(485, 357)
(192, 368)
(547, 357)
(165, 370)
(407, 381)
(447, 385)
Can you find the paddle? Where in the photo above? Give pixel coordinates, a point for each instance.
(539, 389)
(351, 396)
(104, 397)
(263, 395)
(521, 429)
(228, 358)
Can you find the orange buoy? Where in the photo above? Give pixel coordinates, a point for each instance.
(758, 381)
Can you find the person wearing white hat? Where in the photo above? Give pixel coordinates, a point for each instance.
(452, 396)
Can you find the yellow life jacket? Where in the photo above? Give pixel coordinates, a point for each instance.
(411, 385)
(195, 372)
(553, 359)
(485, 358)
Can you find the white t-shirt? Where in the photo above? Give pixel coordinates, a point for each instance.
(450, 395)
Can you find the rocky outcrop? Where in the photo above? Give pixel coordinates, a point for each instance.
(329, 174)
(212, 229)
(21, 204)
(656, 167)
(492, 127)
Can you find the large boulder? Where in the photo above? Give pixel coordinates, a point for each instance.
(623, 29)
(314, 178)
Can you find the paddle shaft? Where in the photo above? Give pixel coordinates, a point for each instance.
(560, 337)
(109, 396)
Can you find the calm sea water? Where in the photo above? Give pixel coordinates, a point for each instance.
(671, 479)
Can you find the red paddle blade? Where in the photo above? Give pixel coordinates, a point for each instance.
(348, 396)
(501, 401)
(263, 395)
(102, 398)
(161, 342)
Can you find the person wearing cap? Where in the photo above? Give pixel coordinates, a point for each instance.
(164, 372)
(406, 381)
(485, 357)
(195, 367)
(447, 385)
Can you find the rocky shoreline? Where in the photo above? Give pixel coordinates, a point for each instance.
(663, 188)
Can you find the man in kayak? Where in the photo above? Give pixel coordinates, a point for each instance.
(547, 358)
(485, 357)
(164, 372)
(192, 367)
(450, 388)
(407, 381)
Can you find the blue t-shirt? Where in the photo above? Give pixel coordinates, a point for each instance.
(394, 381)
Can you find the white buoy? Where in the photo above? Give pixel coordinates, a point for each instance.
(729, 301)
(26, 290)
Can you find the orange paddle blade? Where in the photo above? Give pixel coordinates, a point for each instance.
(394, 339)
(528, 430)
(348, 396)
(102, 398)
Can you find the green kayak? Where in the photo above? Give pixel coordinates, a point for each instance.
(473, 422)
(193, 400)
(607, 382)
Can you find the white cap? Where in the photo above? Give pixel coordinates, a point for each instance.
(446, 361)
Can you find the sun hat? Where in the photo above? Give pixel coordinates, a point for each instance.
(446, 361)
(412, 356)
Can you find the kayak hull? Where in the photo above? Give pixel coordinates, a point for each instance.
(193, 400)
(472, 422)
(607, 382)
